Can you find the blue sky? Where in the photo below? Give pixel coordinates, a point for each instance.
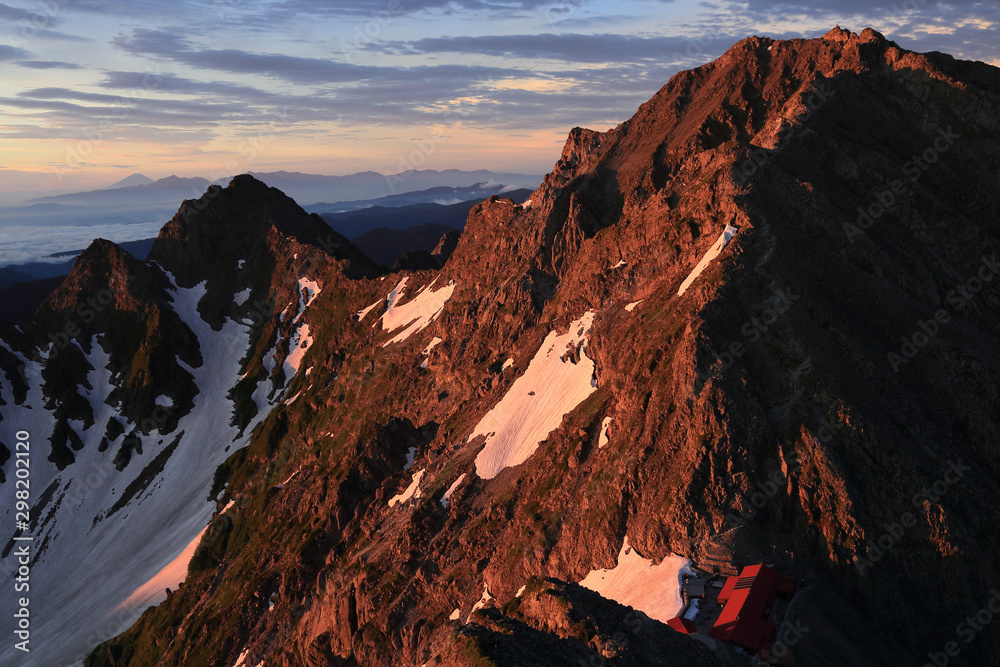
(93, 90)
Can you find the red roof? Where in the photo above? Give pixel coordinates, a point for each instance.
(682, 625)
(746, 599)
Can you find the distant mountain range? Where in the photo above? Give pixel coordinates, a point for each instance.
(138, 199)
(386, 230)
(442, 195)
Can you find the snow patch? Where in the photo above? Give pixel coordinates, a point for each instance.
(164, 401)
(241, 297)
(417, 313)
(427, 350)
(619, 265)
(483, 601)
(430, 346)
(290, 478)
(170, 576)
(412, 491)
(368, 309)
(713, 252)
(297, 348)
(309, 290)
(603, 439)
(520, 591)
(507, 364)
(242, 660)
(630, 307)
(411, 454)
(536, 403)
(526, 205)
(451, 489)
(455, 615)
(636, 582)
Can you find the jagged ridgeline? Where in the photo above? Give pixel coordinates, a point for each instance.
(757, 322)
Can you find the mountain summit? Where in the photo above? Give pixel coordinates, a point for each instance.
(755, 324)
(129, 181)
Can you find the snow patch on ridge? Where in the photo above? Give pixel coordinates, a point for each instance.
(536, 403)
(368, 309)
(427, 350)
(417, 313)
(412, 491)
(630, 307)
(713, 252)
(451, 489)
(636, 582)
(309, 290)
(297, 348)
(241, 297)
(603, 439)
(483, 601)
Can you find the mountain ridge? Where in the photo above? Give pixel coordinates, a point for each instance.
(678, 350)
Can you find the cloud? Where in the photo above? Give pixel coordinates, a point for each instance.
(45, 64)
(8, 13)
(25, 243)
(577, 48)
(166, 45)
(12, 53)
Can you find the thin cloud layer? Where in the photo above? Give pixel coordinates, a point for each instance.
(312, 85)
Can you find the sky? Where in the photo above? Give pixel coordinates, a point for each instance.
(94, 90)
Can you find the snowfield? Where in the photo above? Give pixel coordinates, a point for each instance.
(536, 403)
(417, 313)
(98, 573)
(636, 582)
(713, 252)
